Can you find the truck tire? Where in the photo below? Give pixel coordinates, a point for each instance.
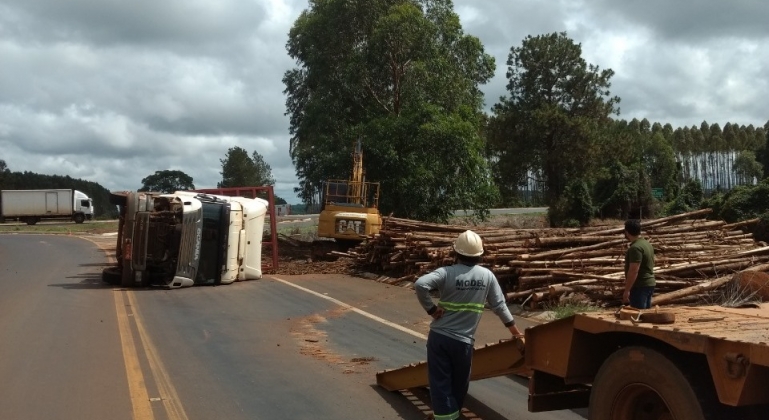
(30, 220)
(112, 275)
(79, 218)
(637, 383)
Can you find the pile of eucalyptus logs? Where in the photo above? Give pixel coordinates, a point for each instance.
(694, 255)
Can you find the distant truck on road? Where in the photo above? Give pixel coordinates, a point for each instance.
(31, 206)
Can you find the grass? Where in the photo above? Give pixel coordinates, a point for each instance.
(96, 227)
(566, 309)
(735, 295)
(305, 233)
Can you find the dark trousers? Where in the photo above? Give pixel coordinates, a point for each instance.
(448, 369)
(641, 297)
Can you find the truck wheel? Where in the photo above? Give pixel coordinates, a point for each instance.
(30, 221)
(637, 383)
(79, 218)
(112, 275)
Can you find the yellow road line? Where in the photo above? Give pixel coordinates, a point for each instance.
(170, 398)
(136, 386)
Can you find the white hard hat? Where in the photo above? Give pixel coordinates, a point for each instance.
(469, 244)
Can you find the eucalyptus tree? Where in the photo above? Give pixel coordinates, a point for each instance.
(241, 170)
(3, 171)
(764, 151)
(747, 168)
(558, 106)
(402, 76)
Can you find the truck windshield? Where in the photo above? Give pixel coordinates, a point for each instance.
(213, 246)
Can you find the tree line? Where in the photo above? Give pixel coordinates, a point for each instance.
(403, 76)
(239, 169)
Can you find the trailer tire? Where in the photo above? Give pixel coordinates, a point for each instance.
(30, 221)
(112, 275)
(79, 218)
(637, 383)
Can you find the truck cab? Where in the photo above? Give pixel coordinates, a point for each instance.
(82, 205)
(186, 238)
(244, 229)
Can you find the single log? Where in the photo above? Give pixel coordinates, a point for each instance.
(564, 274)
(564, 252)
(655, 222)
(741, 224)
(687, 291)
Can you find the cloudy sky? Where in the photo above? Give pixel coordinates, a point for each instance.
(111, 91)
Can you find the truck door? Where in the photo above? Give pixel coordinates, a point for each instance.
(51, 203)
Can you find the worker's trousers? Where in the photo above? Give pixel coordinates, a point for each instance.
(641, 297)
(448, 369)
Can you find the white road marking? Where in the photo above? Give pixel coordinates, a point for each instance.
(354, 309)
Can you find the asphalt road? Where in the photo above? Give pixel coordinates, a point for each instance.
(294, 347)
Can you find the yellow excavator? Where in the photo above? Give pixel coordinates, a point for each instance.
(350, 210)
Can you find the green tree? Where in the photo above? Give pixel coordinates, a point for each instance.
(3, 173)
(241, 170)
(167, 181)
(764, 151)
(556, 108)
(401, 75)
(660, 162)
(747, 168)
(575, 208)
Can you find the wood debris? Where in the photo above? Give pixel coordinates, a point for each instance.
(693, 257)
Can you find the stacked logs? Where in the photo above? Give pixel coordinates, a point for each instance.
(693, 256)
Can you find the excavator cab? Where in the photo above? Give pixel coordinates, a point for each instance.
(350, 211)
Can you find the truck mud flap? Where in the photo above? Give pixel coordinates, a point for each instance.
(489, 361)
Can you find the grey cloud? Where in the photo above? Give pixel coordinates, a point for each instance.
(689, 21)
(147, 22)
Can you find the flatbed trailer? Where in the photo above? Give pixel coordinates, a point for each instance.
(710, 362)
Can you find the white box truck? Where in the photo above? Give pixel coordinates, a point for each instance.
(185, 238)
(31, 206)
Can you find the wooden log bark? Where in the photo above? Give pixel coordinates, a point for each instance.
(687, 291)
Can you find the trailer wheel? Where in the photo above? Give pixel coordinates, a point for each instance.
(79, 218)
(637, 383)
(30, 220)
(112, 275)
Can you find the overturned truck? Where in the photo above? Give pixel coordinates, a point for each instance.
(186, 238)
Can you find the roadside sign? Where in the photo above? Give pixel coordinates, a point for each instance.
(658, 193)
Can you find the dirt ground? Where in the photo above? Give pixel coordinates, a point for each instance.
(295, 258)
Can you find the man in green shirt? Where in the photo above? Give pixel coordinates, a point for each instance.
(639, 268)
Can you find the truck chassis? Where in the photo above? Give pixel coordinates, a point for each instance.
(711, 362)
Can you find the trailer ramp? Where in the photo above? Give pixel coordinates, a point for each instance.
(491, 360)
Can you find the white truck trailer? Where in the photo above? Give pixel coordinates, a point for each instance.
(31, 206)
(186, 238)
